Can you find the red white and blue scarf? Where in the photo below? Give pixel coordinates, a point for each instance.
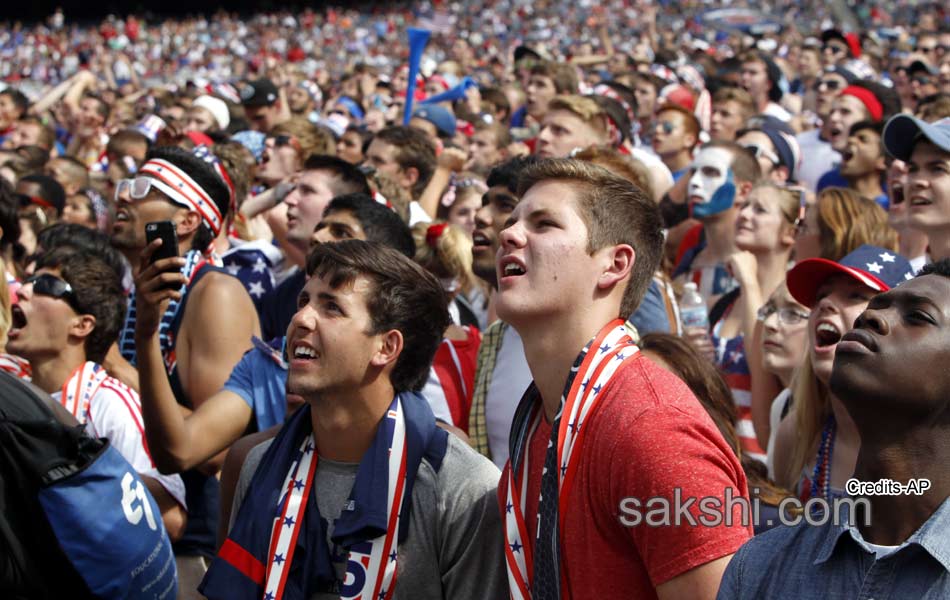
(81, 386)
(591, 373)
(277, 547)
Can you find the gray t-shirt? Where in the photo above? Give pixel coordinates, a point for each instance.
(455, 547)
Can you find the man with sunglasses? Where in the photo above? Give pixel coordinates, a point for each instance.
(773, 144)
(184, 343)
(66, 317)
(815, 144)
(836, 47)
(675, 134)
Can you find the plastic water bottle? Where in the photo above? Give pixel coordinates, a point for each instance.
(693, 311)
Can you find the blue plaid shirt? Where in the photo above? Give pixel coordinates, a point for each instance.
(833, 562)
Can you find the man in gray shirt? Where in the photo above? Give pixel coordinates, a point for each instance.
(360, 481)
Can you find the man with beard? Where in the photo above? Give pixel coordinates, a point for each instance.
(502, 373)
(184, 348)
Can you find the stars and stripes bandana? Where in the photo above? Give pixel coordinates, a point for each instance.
(181, 188)
(277, 547)
(81, 386)
(534, 568)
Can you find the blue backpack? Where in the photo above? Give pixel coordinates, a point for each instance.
(75, 518)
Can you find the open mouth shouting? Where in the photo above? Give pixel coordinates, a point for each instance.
(827, 336)
(18, 322)
(510, 268)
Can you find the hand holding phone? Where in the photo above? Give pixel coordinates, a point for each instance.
(166, 231)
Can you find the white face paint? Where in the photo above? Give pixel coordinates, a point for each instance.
(710, 170)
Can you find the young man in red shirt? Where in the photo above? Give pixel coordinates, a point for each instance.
(603, 435)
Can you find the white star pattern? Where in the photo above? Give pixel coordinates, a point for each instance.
(887, 257)
(233, 269)
(874, 267)
(256, 289)
(260, 266)
(735, 357)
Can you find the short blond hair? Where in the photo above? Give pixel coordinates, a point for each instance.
(586, 109)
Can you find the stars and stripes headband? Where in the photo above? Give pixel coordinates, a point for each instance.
(183, 190)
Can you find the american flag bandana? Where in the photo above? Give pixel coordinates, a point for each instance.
(181, 188)
(599, 361)
(81, 386)
(377, 557)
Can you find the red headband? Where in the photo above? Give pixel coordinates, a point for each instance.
(868, 99)
(434, 232)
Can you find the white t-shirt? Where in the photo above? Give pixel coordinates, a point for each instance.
(660, 172)
(510, 379)
(115, 413)
(817, 157)
(417, 214)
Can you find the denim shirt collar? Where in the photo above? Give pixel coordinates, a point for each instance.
(933, 536)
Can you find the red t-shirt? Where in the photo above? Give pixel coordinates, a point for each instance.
(648, 436)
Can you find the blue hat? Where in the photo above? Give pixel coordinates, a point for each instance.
(902, 132)
(439, 116)
(873, 266)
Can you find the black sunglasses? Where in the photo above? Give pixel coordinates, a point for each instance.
(831, 84)
(54, 287)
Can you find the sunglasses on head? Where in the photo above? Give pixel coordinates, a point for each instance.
(762, 152)
(45, 284)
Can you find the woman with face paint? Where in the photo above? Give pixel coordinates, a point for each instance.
(764, 236)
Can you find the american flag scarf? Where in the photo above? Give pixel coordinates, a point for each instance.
(592, 371)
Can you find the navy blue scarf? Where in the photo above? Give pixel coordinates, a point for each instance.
(238, 571)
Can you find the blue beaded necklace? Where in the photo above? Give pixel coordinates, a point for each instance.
(821, 476)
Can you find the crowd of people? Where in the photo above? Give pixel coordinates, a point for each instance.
(445, 318)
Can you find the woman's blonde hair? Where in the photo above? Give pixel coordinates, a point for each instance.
(847, 221)
(312, 139)
(445, 251)
(5, 305)
(810, 409)
(789, 199)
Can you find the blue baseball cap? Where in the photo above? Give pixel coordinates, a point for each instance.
(902, 132)
(873, 266)
(439, 116)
